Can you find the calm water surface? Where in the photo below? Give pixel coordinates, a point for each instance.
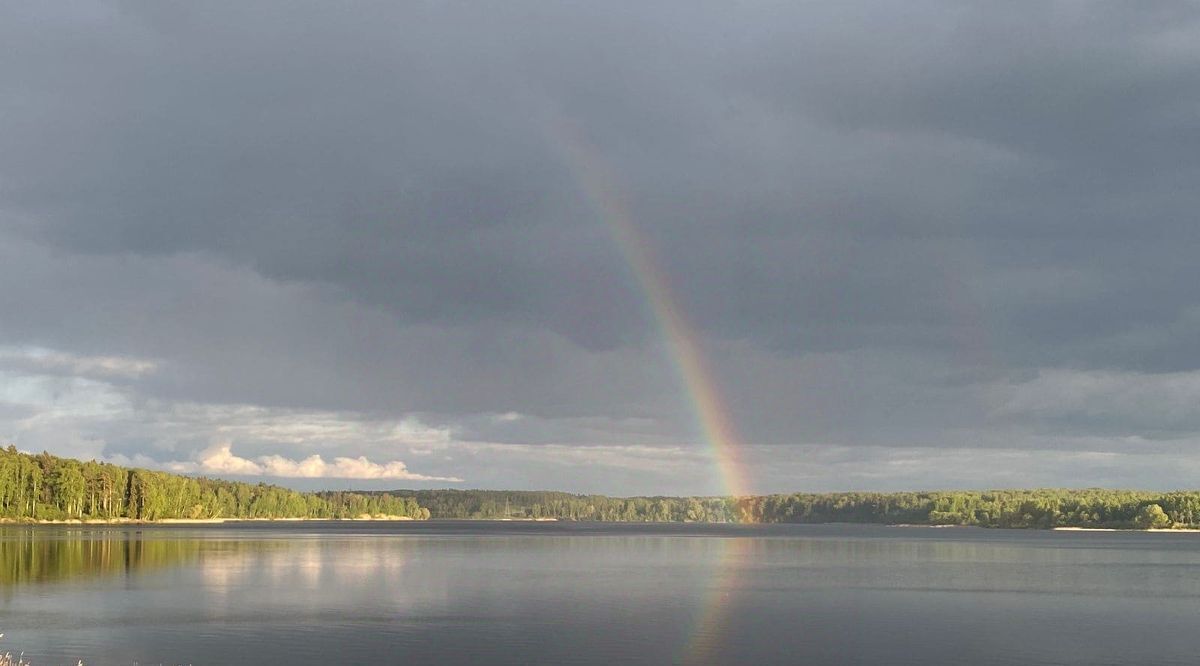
(546, 593)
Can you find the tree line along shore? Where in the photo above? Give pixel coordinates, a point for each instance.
(48, 488)
(44, 487)
(1029, 509)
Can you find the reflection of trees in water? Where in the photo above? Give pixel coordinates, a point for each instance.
(34, 556)
(27, 556)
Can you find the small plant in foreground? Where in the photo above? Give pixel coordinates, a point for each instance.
(6, 659)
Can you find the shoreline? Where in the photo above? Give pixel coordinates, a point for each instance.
(1183, 530)
(220, 521)
(388, 518)
(192, 521)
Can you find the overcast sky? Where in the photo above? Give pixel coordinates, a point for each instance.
(922, 244)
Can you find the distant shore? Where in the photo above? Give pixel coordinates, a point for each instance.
(1174, 529)
(1058, 529)
(1125, 529)
(189, 521)
(393, 519)
(219, 521)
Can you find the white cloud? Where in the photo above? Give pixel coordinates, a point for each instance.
(76, 406)
(220, 459)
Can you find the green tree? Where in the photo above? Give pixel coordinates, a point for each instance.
(1152, 516)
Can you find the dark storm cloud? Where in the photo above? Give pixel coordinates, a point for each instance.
(885, 220)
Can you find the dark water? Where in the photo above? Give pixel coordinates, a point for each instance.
(520, 593)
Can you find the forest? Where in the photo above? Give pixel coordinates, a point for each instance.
(1037, 509)
(46, 487)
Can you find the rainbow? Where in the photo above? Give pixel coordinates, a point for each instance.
(601, 187)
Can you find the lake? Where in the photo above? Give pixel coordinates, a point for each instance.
(564, 593)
